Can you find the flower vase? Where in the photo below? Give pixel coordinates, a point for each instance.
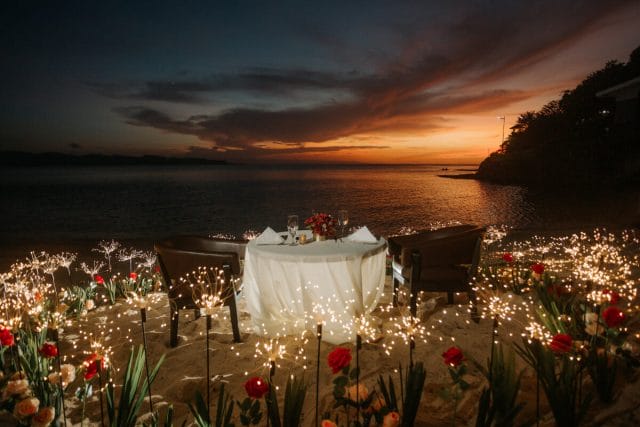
(319, 237)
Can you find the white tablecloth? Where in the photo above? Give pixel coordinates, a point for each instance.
(290, 288)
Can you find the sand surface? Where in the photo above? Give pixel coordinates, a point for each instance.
(184, 370)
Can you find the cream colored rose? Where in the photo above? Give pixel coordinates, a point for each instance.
(362, 390)
(392, 419)
(90, 305)
(25, 408)
(68, 374)
(591, 324)
(44, 417)
(17, 387)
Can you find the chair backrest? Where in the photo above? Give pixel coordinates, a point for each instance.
(401, 247)
(183, 255)
(453, 250)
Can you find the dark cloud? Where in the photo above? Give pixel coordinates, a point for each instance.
(476, 44)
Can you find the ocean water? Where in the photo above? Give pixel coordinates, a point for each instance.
(150, 202)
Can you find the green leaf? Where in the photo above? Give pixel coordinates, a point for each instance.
(341, 381)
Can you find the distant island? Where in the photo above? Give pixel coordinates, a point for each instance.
(19, 158)
(590, 136)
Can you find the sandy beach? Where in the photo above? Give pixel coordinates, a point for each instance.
(183, 372)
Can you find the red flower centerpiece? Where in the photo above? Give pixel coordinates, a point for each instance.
(339, 359)
(322, 225)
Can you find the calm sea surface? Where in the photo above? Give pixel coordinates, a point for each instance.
(142, 202)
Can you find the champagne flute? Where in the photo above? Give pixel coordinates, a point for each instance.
(343, 220)
(292, 226)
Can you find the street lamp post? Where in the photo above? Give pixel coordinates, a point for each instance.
(502, 118)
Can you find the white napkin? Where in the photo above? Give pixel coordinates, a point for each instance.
(362, 235)
(269, 237)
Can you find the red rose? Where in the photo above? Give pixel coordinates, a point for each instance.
(92, 364)
(453, 356)
(99, 279)
(613, 296)
(561, 343)
(6, 337)
(538, 268)
(339, 359)
(507, 257)
(48, 350)
(613, 316)
(133, 276)
(256, 387)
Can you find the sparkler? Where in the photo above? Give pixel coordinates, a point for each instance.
(107, 248)
(140, 301)
(208, 287)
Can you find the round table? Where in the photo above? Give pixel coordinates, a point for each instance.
(289, 289)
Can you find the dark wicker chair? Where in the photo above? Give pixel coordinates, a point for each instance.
(441, 260)
(179, 256)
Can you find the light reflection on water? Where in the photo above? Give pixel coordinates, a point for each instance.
(151, 202)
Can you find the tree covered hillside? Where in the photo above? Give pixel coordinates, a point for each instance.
(574, 140)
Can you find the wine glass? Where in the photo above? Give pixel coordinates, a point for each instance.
(343, 220)
(292, 226)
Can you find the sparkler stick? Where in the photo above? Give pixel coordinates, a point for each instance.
(319, 335)
(208, 369)
(56, 338)
(494, 331)
(143, 318)
(99, 366)
(272, 371)
(358, 347)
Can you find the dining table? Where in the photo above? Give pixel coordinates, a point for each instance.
(291, 288)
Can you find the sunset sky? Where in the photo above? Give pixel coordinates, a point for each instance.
(356, 81)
